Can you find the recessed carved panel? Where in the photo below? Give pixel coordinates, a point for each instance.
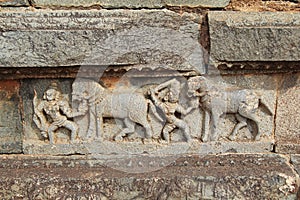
(136, 115)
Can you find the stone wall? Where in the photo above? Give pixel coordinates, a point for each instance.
(234, 64)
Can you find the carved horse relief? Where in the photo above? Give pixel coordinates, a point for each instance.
(215, 102)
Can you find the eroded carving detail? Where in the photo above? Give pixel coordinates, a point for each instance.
(215, 102)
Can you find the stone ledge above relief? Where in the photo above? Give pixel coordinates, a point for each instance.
(101, 37)
(254, 36)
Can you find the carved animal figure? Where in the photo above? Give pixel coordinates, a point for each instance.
(215, 102)
(132, 107)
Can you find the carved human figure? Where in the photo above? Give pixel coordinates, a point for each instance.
(58, 109)
(166, 97)
(215, 102)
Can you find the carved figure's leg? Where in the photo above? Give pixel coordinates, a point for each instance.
(206, 126)
(166, 131)
(51, 130)
(129, 129)
(250, 114)
(72, 126)
(242, 122)
(185, 128)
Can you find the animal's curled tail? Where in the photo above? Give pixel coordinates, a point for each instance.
(153, 109)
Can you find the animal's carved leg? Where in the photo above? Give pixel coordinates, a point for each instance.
(253, 117)
(129, 129)
(144, 122)
(99, 132)
(206, 126)
(214, 126)
(242, 122)
(148, 131)
(92, 126)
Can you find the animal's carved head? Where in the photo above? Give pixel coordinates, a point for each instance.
(86, 89)
(196, 83)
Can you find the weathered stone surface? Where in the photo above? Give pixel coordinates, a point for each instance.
(132, 3)
(210, 177)
(288, 118)
(10, 118)
(295, 161)
(107, 37)
(102, 3)
(14, 3)
(198, 3)
(254, 36)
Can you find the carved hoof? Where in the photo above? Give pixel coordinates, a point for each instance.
(100, 139)
(231, 137)
(74, 141)
(189, 140)
(146, 141)
(204, 139)
(118, 138)
(257, 138)
(214, 138)
(164, 141)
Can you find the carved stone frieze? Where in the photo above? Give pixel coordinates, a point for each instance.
(142, 115)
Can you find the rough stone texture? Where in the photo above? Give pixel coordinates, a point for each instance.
(254, 36)
(10, 119)
(14, 3)
(295, 161)
(210, 177)
(264, 5)
(198, 3)
(102, 3)
(132, 3)
(107, 37)
(288, 118)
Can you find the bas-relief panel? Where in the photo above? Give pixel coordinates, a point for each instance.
(138, 115)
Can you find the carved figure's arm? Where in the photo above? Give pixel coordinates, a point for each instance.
(38, 108)
(173, 83)
(182, 110)
(156, 101)
(65, 108)
(68, 111)
(200, 93)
